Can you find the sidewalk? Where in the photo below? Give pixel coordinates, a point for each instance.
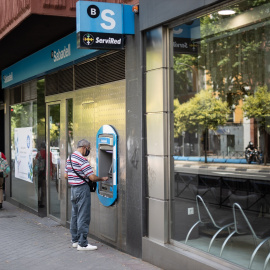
(34, 243)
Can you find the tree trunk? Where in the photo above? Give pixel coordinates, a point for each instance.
(265, 155)
(205, 144)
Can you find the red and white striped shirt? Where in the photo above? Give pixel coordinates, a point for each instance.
(81, 166)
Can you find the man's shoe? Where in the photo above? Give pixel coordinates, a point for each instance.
(88, 247)
(75, 244)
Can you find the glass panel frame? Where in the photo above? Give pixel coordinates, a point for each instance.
(53, 158)
(70, 149)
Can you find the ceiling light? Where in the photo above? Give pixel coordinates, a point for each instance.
(226, 12)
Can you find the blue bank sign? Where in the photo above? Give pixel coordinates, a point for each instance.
(63, 52)
(103, 25)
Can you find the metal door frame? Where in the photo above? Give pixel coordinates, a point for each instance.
(48, 104)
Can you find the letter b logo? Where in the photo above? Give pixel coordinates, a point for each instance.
(93, 11)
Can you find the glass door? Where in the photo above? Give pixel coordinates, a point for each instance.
(70, 149)
(54, 159)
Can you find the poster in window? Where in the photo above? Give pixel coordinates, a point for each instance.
(23, 154)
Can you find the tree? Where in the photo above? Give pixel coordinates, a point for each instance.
(202, 112)
(258, 107)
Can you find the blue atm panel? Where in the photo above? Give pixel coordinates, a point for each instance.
(106, 148)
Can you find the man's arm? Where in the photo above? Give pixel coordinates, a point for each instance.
(95, 178)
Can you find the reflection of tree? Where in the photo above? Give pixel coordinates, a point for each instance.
(54, 134)
(258, 107)
(234, 58)
(184, 64)
(202, 112)
(22, 115)
(41, 111)
(234, 55)
(54, 124)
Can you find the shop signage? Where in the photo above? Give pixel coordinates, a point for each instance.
(185, 45)
(103, 25)
(61, 53)
(8, 78)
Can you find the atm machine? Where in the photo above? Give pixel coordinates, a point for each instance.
(106, 153)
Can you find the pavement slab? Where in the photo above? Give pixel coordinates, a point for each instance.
(31, 242)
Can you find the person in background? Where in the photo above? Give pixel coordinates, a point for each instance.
(250, 146)
(40, 170)
(80, 194)
(2, 179)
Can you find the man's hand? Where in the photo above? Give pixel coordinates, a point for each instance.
(95, 178)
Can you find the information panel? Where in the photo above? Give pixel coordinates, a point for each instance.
(23, 154)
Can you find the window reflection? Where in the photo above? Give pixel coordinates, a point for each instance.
(24, 117)
(221, 104)
(211, 56)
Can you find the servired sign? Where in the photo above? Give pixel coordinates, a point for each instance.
(103, 25)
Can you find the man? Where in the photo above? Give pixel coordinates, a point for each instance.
(80, 194)
(250, 146)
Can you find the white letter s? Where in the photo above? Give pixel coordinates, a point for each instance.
(108, 19)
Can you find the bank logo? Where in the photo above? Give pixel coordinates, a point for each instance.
(88, 39)
(8, 78)
(61, 54)
(108, 23)
(28, 141)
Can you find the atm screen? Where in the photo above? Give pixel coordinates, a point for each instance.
(110, 171)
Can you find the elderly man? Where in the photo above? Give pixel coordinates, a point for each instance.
(80, 194)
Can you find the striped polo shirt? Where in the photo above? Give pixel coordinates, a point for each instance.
(81, 166)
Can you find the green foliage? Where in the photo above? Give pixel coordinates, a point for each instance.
(202, 111)
(183, 64)
(258, 107)
(236, 58)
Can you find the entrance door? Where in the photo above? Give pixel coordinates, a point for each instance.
(53, 172)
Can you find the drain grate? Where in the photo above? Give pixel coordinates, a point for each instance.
(10, 216)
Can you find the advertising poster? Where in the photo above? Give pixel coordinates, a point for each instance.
(23, 154)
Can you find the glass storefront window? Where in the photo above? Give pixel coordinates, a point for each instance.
(27, 122)
(221, 131)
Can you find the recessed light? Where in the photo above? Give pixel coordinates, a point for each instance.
(226, 12)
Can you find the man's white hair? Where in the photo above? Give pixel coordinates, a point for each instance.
(83, 143)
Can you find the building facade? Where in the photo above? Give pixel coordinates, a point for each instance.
(186, 95)
(206, 66)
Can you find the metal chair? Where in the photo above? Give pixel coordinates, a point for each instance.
(266, 261)
(261, 226)
(221, 222)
